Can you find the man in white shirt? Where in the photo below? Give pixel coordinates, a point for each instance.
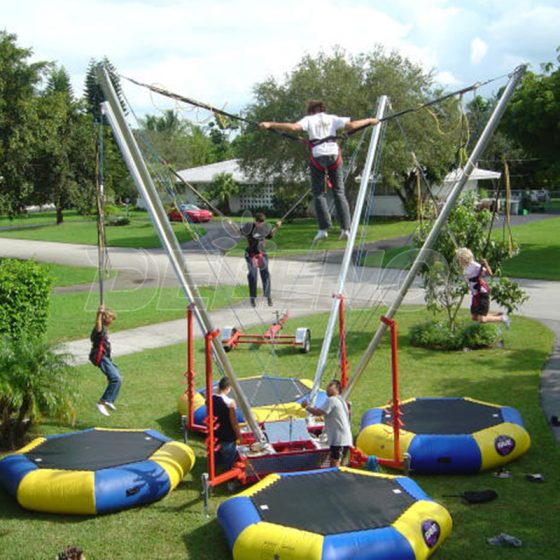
(337, 422)
(326, 161)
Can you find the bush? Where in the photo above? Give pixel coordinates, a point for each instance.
(118, 221)
(436, 335)
(24, 297)
(478, 335)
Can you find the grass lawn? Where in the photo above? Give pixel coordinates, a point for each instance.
(297, 236)
(72, 314)
(176, 527)
(139, 233)
(539, 257)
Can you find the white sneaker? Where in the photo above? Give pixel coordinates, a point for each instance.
(321, 234)
(506, 320)
(344, 234)
(110, 405)
(102, 409)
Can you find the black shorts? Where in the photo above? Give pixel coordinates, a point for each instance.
(480, 304)
(338, 452)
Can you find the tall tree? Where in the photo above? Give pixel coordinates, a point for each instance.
(532, 120)
(18, 122)
(350, 85)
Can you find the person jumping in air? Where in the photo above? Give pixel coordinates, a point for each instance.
(256, 233)
(480, 291)
(326, 161)
(100, 356)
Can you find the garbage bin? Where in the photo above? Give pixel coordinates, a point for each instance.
(514, 207)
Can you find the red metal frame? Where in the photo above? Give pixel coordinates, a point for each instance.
(342, 336)
(271, 336)
(357, 458)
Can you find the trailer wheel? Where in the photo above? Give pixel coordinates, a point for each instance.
(303, 339)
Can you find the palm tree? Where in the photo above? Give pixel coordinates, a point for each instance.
(34, 381)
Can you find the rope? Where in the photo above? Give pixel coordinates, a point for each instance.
(508, 206)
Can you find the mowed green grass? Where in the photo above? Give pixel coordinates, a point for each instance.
(539, 257)
(139, 233)
(176, 527)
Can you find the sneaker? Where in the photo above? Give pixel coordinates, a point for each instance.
(109, 405)
(253, 302)
(321, 234)
(506, 321)
(270, 304)
(344, 234)
(102, 409)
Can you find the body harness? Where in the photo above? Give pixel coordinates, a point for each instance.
(479, 284)
(333, 167)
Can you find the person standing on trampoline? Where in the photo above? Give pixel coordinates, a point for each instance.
(480, 291)
(337, 422)
(100, 356)
(256, 233)
(227, 432)
(325, 161)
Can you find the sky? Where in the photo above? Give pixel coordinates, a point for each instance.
(217, 50)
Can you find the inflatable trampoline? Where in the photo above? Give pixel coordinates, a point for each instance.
(334, 514)
(95, 471)
(271, 398)
(448, 435)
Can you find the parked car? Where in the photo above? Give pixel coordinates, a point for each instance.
(191, 212)
(540, 195)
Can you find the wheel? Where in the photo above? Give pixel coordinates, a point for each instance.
(303, 340)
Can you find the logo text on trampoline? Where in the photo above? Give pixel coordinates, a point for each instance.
(430, 531)
(504, 445)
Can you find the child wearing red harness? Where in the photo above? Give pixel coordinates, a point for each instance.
(480, 291)
(325, 161)
(100, 356)
(255, 255)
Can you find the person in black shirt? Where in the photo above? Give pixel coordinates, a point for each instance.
(255, 255)
(227, 432)
(100, 356)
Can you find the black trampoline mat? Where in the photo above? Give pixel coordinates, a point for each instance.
(446, 416)
(94, 450)
(332, 502)
(266, 391)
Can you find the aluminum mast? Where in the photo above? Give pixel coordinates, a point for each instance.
(376, 134)
(489, 129)
(144, 183)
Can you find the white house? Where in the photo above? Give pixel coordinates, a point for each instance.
(385, 204)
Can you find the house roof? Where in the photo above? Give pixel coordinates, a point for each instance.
(476, 175)
(207, 173)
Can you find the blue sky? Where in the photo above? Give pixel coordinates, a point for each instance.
(216, 50)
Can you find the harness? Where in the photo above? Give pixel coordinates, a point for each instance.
(99, 355)
(479, 284)
(334, 166)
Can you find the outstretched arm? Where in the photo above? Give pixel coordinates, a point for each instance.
(486, 267)
(312, 409)
(353, 125)
(99, 318)
(281, 126)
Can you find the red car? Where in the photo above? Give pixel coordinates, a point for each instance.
(190, 211)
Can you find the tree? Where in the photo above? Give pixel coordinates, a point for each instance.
(532, 119)
(34, 381)
(221, 189)
(350, 85)
(18, 122)
(445, 287)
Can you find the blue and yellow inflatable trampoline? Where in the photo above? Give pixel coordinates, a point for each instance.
(271, 398)
(333, 514)
(447, 435)
(95, 471)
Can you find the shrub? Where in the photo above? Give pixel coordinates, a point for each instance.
(478, 335)
(436, 335)
(24, 297)
(118, 221)
(34, 380)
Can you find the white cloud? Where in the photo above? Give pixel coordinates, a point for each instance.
(479, 48)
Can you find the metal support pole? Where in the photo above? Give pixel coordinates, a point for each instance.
(190, 366)
(145, 186)
(440, 222)
(342, 336)
(376, 134)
